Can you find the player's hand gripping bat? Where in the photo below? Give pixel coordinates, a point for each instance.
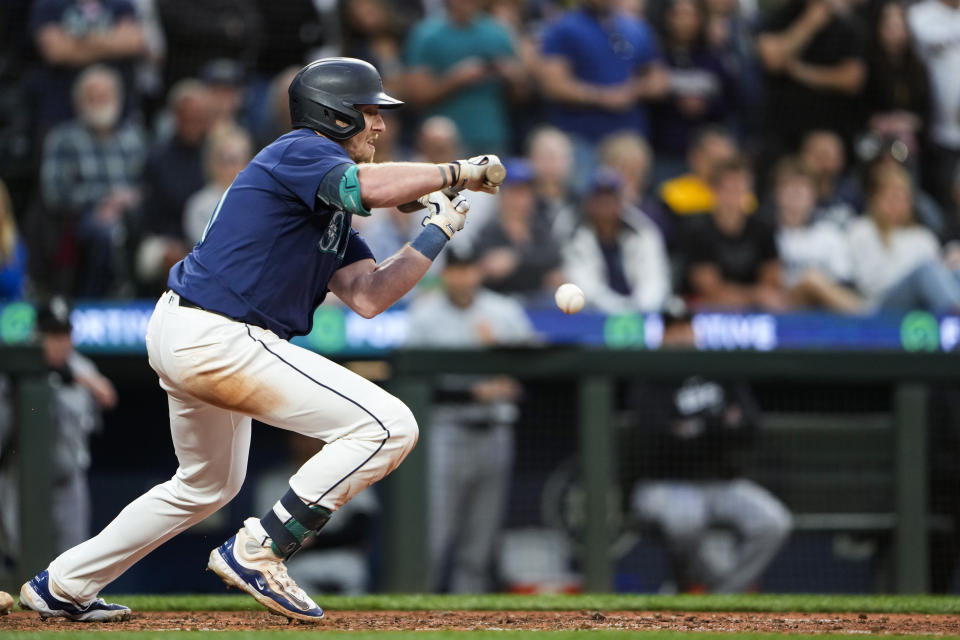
(487, 169)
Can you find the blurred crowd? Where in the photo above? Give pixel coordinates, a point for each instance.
(780, 155)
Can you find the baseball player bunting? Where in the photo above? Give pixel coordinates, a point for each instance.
(279, 240)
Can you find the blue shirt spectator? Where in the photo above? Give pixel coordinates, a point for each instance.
(604, 53)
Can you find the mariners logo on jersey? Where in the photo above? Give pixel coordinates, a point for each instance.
(335, 238)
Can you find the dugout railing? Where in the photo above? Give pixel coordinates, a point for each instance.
(597, 372)
(901, 448)
(32, 442)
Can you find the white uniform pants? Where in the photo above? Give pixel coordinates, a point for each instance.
(218, 374)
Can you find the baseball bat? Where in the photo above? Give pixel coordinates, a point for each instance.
(493, 175)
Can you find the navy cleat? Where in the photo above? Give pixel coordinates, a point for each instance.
(37, 595)
(246, 564)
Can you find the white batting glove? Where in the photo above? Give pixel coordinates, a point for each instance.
(449, 215)
(472, 172)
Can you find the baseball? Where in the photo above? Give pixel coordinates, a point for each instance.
(569, 297)
(6, 603)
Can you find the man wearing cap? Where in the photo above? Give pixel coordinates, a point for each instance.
(470, 442)
(681, 471)
(617, 256)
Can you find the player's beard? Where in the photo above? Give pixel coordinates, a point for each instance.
(360, 151)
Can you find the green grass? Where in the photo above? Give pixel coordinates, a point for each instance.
(433, 635)
(607, 602)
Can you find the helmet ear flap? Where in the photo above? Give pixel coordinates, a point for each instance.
(317, 112)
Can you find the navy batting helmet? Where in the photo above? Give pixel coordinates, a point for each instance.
(325, 93)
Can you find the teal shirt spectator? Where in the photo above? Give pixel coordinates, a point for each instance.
(479, 111)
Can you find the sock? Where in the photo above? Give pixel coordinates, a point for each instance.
(290, 522)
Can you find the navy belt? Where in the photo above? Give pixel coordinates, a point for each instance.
(190, 305)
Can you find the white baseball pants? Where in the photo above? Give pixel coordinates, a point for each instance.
(219, 373)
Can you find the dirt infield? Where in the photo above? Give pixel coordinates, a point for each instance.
(881, 624)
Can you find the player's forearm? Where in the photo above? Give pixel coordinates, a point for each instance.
(392, 183)
(376, 291)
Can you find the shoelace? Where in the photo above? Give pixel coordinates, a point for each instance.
(93, 602)
(282, 578)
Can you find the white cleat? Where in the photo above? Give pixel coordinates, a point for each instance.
(243, 563)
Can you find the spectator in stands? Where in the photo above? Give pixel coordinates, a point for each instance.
(812, 52)
(618, 259)
(729, 32)
(174, 172)
(73, 34)
(935, 25)
(896, 262)
(225, 80)
(13, 251)
(815, 257)
(730, 257)
(680, 468)
(872, 151)
(896, 96)
(228, 150)
(700, 91)
(463, 66)
(822, 154)
(687, 196)
(518, 254)
(629, 155)
(272, 113)
(292, 33)
(951, 228)
(90, 176)
(80, 392)
(371, 30)
(470, 446)
(600, 67)
(551, 159)
(198, 32)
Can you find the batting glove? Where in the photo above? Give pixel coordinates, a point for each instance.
(449, 215)
(471, 174)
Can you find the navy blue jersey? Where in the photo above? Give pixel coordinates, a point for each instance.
(272, 244)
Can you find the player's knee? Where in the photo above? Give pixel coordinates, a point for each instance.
(208, 495)
(404, 431)
(230, 489)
